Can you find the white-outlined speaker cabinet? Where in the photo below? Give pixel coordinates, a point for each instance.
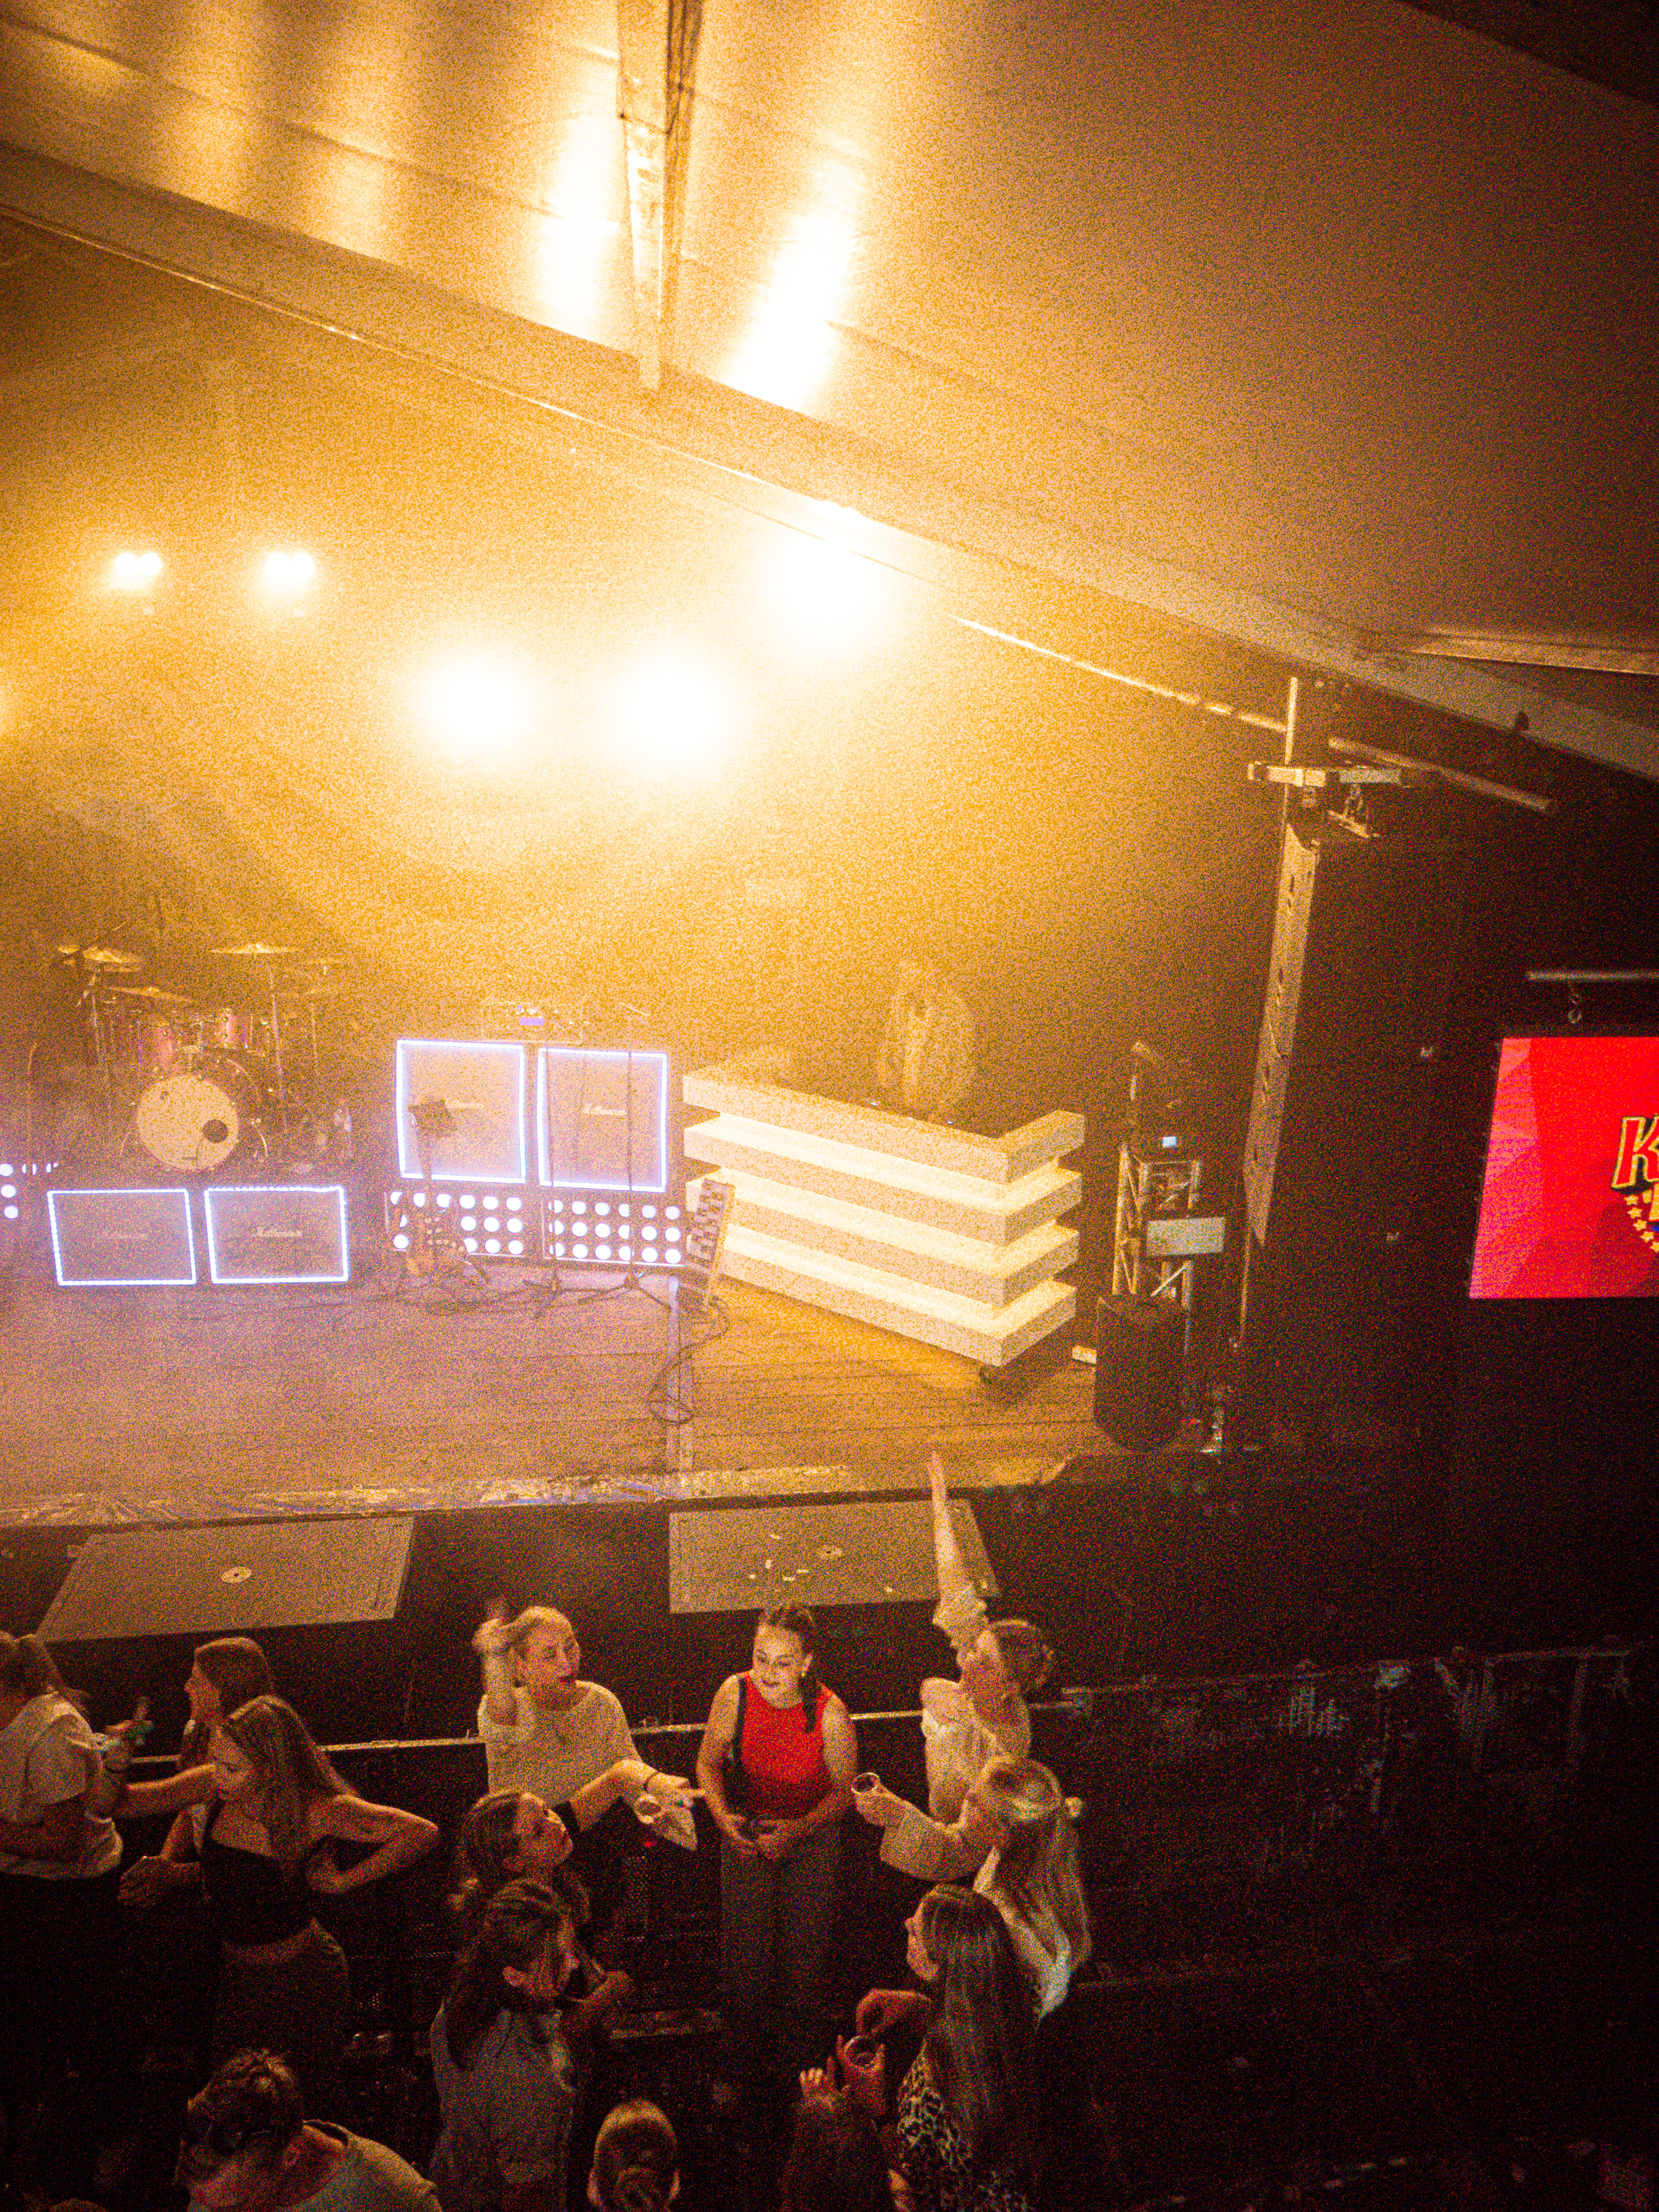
(277, 1233)
(473, 1096)
(104, 1239)
(602, 1120)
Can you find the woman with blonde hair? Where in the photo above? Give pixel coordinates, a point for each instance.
(983, 1711)
(636, 2161)
(1016, 1835)
(275, 1807)
(543, 1728)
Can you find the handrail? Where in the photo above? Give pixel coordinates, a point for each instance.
(1081, 1698)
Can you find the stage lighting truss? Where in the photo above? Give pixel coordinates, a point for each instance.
(597, 1229)
(496, 1226)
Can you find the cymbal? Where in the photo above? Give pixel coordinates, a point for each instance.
(252, 951)
(154, 992)
(102, 955)
(326, 986)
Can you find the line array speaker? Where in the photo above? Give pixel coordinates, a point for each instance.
(1348, 1055)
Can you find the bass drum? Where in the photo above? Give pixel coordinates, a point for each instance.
(193, 1120)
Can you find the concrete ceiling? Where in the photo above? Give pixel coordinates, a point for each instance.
(1328, 327)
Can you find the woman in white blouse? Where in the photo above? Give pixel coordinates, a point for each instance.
(982, 1712)
(1016, 1835)
(545, 1729)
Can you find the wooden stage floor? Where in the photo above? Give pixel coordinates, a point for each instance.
(147, 1406)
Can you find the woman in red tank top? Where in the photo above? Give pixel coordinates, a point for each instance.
(782, 1744)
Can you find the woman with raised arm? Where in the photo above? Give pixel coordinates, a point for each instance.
(224, 1674)
(783, 1743)
(1017, 1828)
(274, 1808)
(963, 2133)
(543, 1728)
(503, 2073)
(59, 1921)
(982, 1712)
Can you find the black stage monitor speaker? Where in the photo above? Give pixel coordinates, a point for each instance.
(279, 1233)
(603, 1120)
(1349, 1050)
(325, 1598)
(472, 1098)
(1139, 1351)
(236, 1579)
(104, 1238)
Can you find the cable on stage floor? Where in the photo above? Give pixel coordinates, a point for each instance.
(665, 1400)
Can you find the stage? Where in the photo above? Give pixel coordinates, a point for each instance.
(156, 1405)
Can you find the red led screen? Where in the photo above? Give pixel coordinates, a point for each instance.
(1570, 1204)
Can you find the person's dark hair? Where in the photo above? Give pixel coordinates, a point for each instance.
(514, 1929)
(238, 1670)
(797, 1620)
(251, 2109)
(26, 1665)
(982, 2033)
(483, 1858)
(836, 2163)
(636, 2159)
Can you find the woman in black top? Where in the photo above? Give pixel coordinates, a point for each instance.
(280, 1806)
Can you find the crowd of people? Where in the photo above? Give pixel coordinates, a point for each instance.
(934, 2101)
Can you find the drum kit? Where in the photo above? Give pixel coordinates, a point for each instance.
(204, 1082)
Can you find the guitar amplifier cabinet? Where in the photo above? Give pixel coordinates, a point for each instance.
(474, 1094)
(101, 1238)
(277, 1233)
(602, 1120)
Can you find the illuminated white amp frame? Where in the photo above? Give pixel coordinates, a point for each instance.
(509, 1061)
(653, 1066)
(162, 1201)
(215, 1194)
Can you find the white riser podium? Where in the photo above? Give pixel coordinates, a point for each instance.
(939, 1235)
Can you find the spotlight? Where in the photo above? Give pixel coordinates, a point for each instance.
(134, 572)
(287, 576)
(673, 718)
(824, 592)
(477, 710)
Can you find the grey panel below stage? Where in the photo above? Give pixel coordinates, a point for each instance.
(860, 1554)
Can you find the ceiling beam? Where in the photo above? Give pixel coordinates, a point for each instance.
(656, 48)
(1616, 656)
(743, 452)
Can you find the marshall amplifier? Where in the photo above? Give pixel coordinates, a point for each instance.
(466, 1100)
(102, 1237)
(602, 1120)
(281, 1233)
